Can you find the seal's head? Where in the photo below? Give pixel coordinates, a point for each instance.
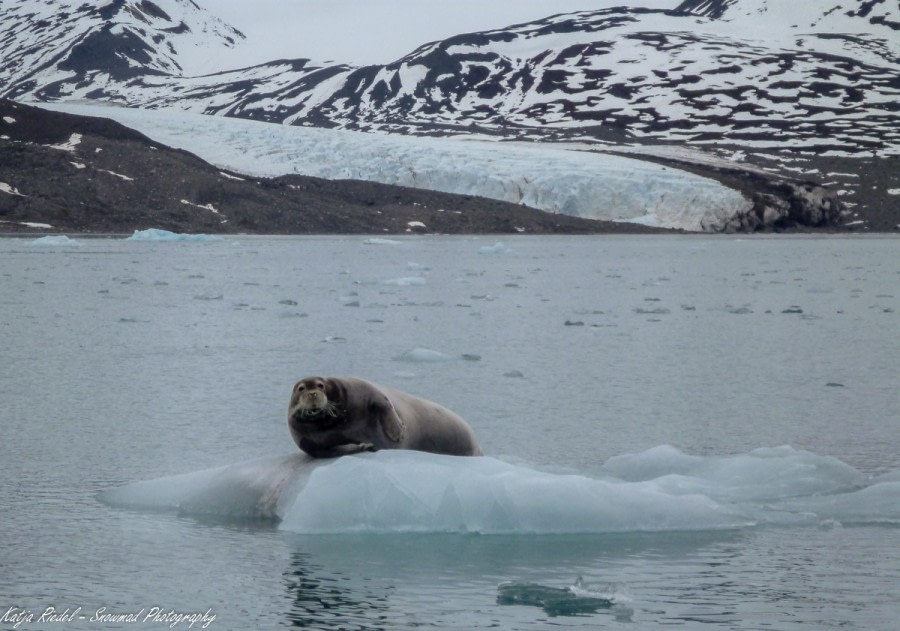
(312, 398)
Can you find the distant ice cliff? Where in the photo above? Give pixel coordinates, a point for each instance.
(551, 178)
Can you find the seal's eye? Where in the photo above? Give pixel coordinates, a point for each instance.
(321, 386)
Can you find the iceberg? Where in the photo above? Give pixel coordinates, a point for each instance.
(660, 490)
(155, 234)
(416, 492)
(56, 241)
(497, 248)
(249, 490)
(381, 241)
(760, 475)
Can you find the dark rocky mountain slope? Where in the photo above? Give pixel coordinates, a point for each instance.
(65, 173)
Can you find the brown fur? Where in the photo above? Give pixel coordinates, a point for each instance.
(335, 416)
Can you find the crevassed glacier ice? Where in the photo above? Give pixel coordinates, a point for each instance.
(570, 181)
(661, 489)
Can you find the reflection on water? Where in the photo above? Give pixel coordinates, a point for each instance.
(322, 598)
(458, 581)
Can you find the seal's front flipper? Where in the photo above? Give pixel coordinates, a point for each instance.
(352, 448)
(345, 449)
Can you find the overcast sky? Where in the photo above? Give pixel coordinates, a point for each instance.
(376, 31)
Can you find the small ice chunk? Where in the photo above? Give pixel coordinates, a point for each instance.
(497, 248)
(380, 241)
(406, 281)
(571, 601)
(423, 355)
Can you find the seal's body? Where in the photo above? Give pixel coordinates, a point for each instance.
(335, 416)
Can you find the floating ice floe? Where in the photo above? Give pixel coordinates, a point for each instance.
(56, 241)
(497, 248)
(155, 234)
(406, 491)
(555, 601)
(406, 281)
(380, 241)
(423, 355)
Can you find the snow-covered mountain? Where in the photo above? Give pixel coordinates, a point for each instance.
(51, 49)
(761, 73)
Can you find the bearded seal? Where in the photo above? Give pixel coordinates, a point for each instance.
(336, 416)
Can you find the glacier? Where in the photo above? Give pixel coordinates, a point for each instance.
(568, 179)
(659, 490)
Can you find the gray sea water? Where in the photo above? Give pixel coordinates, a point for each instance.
(748, 376)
